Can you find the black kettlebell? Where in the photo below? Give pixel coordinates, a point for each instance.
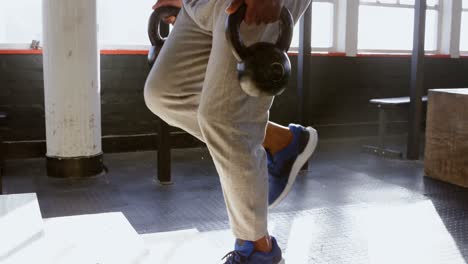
(264, 68)
(154, 33)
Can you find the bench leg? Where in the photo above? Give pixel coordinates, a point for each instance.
(382, 127)
(380, 148)
(164, 154)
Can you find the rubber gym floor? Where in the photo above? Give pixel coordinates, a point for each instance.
(349, 207)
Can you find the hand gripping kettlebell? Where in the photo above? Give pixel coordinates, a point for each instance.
(264, 68)
(154, 33)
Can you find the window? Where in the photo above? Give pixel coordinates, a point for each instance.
(388, 25)
(124, 23)
(380, 25)
(323, 14)
(121, 23)
(464, 28)
(20, 23)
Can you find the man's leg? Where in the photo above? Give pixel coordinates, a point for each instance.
(233, 125)
(277, 137)
(174, 85)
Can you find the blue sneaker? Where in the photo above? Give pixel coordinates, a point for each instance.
(285, 165)
(244, 253)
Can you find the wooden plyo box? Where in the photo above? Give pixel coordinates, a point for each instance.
(446, 153)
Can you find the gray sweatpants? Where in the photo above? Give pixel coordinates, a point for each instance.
(193, 85)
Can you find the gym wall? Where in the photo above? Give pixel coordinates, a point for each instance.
(337, 104)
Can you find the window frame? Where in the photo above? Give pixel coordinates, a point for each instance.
(345, 31)
(437, 8)
(463, 10)
(15, 46)
(334, 27)
(20, 46)
(332, 48)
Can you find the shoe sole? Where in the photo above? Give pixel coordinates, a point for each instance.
(298, 164)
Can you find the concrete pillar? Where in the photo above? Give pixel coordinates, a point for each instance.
(346, 28)
(72, 88)
(449, 31)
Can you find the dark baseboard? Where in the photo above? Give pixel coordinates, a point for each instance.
(148, 142)
(72, 168)
(24, 149)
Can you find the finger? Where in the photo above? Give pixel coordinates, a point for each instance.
(255, 20)
(275, 18)
(277, 15)
(248, 20)
(261, 19)
(250, 17)
(271, 15)
(161, 3)
(268, 19)
(235, 5)
(272, 18)
(170, 20)
(158, 5)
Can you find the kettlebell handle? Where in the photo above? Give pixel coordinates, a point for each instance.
(234, 21)
(155, 20)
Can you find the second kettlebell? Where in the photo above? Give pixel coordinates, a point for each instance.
(154, 33)
(264, 69)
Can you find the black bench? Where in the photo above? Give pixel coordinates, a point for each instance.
(3, 116)
(384, 104)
